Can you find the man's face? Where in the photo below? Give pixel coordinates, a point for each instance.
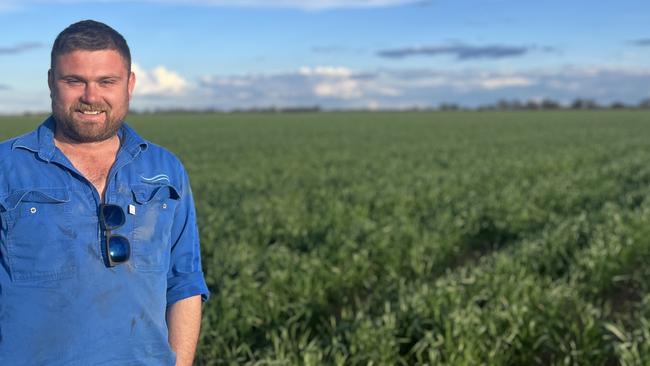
(90, 93)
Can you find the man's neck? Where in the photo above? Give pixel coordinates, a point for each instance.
(92, 159)
(109, 146)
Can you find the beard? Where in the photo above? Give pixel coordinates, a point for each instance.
(82, 131)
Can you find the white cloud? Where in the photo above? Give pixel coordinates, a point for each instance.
(159, 81)
(233, 81)
(332, 82)
(343, 89)
(327, 71)
(459, 81)
(505, 82)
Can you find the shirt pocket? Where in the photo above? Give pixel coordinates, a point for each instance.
(38, 234)
(153, 220)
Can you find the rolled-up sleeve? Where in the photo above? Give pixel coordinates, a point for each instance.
(185, 276)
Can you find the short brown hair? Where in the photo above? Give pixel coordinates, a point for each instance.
(90, 35)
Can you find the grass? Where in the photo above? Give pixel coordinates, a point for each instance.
(460, 238)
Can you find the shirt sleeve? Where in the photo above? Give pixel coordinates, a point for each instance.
(185, 276)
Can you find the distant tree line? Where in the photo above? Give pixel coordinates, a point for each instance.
(548, 104)
(500, 105)
(271, 109)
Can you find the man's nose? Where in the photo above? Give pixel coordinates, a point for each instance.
(90, 94)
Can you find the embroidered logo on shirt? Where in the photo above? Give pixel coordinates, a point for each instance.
(156, 178)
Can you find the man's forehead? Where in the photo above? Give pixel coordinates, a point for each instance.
(105, 59)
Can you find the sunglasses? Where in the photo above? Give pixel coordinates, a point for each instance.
(118, 248)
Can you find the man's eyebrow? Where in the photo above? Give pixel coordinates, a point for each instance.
(79, 77)
(71, 76)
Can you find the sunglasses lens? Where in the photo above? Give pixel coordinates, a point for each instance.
(113, 216)
(119, 249)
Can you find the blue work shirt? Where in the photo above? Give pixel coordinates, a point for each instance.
(60, 304)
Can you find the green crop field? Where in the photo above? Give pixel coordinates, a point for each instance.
(460, 238)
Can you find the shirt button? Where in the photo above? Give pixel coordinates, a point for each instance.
(32, 210)
(164, 205)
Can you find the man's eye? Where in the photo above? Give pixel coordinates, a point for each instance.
(107, 82)
(72, 81)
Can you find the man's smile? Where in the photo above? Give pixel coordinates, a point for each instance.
(92, 116)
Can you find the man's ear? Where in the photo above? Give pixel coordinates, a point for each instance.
(131, 84)
(50, 81)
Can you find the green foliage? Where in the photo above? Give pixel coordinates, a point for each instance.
(463, 238)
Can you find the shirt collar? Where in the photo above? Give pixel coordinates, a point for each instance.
(41, 140)
(131, 141)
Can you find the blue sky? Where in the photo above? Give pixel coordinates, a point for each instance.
(344, 54)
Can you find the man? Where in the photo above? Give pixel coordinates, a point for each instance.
(99, 248)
